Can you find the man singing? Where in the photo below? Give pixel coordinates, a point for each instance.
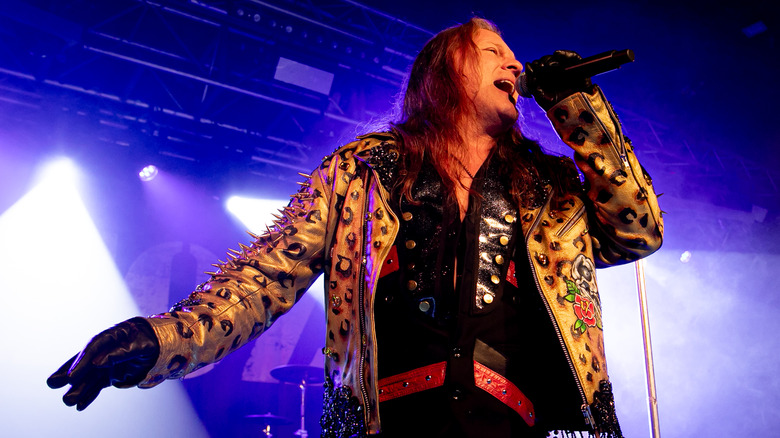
(459, 262)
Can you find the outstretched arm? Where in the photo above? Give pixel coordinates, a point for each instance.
(242, 298)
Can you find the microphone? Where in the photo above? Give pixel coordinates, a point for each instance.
(585, 68)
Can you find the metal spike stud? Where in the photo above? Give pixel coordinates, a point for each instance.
(289, 214)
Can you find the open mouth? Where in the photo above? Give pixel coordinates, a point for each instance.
(506, 86)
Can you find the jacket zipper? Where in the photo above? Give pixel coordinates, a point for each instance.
(549, 311)
(572, 220)
(623, 152)
(361, 295)
(620, 147)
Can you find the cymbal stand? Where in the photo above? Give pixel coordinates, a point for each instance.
(302, 431)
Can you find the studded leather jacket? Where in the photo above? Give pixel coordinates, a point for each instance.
(339, 223)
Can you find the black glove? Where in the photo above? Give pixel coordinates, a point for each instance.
(120, 356)
(544, 78)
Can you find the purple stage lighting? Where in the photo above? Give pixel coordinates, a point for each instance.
(148, 173)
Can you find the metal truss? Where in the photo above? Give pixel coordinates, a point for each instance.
(194, 80)
(199, 75)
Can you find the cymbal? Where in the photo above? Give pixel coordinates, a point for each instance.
(269, 419)
(299, 374)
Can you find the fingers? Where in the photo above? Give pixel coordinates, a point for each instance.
(84, 392)
(86, 379)
(567, 55)
(559, 59)
(90, 394)
(120, 355)
(60, 377)
(91, 357)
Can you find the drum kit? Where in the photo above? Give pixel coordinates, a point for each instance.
(301, 375)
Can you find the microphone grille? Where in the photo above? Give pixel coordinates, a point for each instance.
(521, 85)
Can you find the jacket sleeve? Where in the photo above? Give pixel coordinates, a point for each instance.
(248, 292)
(625, 221)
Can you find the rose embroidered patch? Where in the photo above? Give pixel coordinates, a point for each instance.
(582, 293)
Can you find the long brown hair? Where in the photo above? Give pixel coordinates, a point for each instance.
(435, 101)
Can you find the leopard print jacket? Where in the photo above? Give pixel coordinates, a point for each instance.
(339, 224)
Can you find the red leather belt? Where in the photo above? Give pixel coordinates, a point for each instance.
(501, 388)
(432, 376)
(416, 380)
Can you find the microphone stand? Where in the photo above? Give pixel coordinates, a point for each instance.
(655, 427)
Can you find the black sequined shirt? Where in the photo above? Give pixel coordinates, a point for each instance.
(437, 321)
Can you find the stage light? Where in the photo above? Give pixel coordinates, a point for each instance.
(685, 257)
(52, 255)
(61, 170)
(254, 213)
(148, 173)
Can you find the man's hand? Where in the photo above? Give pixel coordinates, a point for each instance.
(120, 356)
(546, 82)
